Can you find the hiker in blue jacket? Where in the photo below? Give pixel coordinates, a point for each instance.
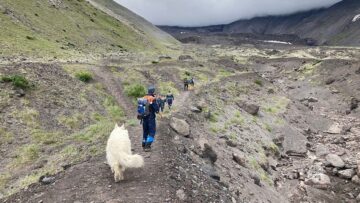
(149, 121)
(169, 99)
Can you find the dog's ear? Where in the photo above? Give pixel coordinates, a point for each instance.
(123, 126)
(116, 125)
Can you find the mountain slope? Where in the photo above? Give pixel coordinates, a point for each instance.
(48, 28)
(331, 26)
(336, 25)
(137, 23)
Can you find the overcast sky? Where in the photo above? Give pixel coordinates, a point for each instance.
(211, 12)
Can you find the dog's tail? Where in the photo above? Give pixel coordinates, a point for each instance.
(131, 161)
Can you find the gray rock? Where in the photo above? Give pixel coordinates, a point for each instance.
(180, 194)
(46, 180)
(185, 58)
(209, 153)
(358, 197)
(294, 143)
(256, 179)
(335, 160)
(180, 126)
(330, 81)
(239, 159)
(231, 143)
(355, 179)
(211, 171)
(321, 150)
(320, 181)
(354, 103)
(20, 92)
(346, 174)
(164, 57)
(357, 71)
(334, 129)
(309, 99)
(252, 109)
(195, 109)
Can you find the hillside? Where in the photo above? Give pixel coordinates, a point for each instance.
(336, 25)
(63, 29)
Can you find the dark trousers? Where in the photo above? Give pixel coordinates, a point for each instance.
(149, 130)
(186, 87)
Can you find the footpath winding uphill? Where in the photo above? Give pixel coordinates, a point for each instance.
(92, 181)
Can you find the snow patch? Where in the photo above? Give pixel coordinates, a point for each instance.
(276, 42)
(356, 18)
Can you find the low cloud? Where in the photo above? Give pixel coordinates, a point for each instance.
(212, 12)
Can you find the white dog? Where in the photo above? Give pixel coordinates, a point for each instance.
(118, 153)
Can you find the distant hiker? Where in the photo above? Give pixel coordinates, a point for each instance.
(147, 110)
(169, 99)
(162, 101)
(186, 84)
(192, 82)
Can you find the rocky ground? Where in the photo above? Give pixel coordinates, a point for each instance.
(261, 125)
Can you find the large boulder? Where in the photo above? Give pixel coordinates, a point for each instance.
(320, 181)
(334, 129)
(346, 174)
(252, 109)
(335, 161)
(185, 58)
(180, 126)
(294, 143)
(209, 153)
(239, 159)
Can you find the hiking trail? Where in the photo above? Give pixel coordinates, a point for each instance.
(92, 180)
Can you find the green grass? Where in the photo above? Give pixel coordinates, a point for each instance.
(166, 87)
(95, 133)
(5, 136)
(74, 26)
(4, 179)
(84, 76)
(115, 112)
(71, 122)
(47, 138)
(132, 122)
(26, 154)
(17, 81)
(28, 116)
(259, 82)
(268, 127)
(135, 90)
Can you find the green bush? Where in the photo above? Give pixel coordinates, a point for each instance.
(135, 90)
(84, 76)
(17, 81)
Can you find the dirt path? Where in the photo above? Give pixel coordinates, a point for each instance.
(92, 181)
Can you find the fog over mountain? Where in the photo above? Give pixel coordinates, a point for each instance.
(211, 12)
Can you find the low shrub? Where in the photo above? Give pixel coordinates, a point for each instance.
(18, 81)
(135, 90)
(84, 76)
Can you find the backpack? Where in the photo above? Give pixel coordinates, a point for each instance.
(144, 106)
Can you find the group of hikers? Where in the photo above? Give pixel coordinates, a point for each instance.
(150, 105)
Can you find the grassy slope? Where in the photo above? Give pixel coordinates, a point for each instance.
(38, 28)
(156, 36)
